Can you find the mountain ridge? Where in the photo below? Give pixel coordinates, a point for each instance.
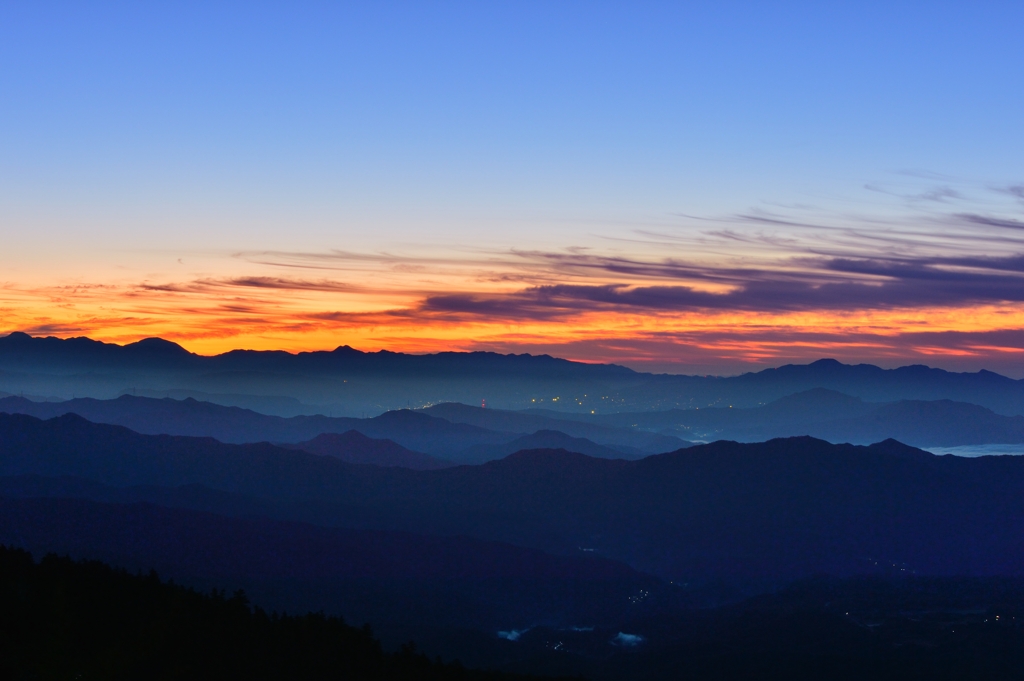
(754, 515)
(416, 430)
(352, 382)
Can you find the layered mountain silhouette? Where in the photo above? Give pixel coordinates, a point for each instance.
(233, 424)
(835, 417)
(745, 513)
(588, 538)
(543, 439)
(622, 437)
(415, 430)
(353, 382)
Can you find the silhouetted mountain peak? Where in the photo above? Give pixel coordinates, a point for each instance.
(896, 448)
(445, 409)
(405, 416)
(157, 346)
(556, 439)
(355, 447)
(546, 455)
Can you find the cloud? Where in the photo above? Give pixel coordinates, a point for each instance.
(989, 221)
(256, 282)
(723, 351)
(861, 284)
(768, 284)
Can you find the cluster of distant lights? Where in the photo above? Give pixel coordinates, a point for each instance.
(640, 597)
(578, 401)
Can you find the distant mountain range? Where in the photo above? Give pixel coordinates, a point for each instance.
(350, 382)
(746, 514)
(622, 436)
(831, 416)
(460, 433)
(419, 431)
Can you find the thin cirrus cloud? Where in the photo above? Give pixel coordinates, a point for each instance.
(272, 283)
(796, 282)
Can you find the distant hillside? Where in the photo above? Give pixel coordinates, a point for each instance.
(747, 514)
(354, 447)
(189, 417)
(349, 382)
(416, 430)
(622, 436)
(542, 439)
(835, 417)
(870, 383)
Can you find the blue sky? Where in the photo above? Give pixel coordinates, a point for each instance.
(141, 135)
(574, 110)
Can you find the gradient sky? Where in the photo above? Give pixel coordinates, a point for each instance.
(691, 187)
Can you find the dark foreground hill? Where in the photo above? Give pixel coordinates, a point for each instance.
(857, 629)
(387, 578)
(746, 514)
(65, 620)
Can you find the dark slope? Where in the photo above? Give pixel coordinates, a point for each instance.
(836, 417)
(61, 619)
(742, 512)
(542, 439)
(621, 436)
(65, 620)
(387, 578)
(354, 447)
(877, 628)
(189, 417)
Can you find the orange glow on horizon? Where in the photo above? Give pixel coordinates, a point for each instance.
(639, 311)
(297, 323)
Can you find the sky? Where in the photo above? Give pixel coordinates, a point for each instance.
(683, 187)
